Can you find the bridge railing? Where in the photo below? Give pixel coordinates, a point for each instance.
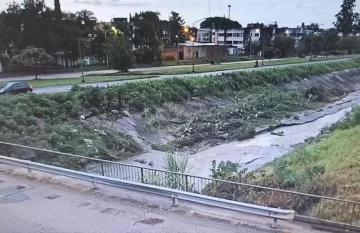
(308, 207)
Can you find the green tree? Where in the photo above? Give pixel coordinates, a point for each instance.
(331, 39)
(176, 27)
(314, 27)
(284, 44)
(312, 44)
(57, 10)
(255, 47)
(349, 43)
(221, 23)
(345, 18)
(269, 52)
(146, 40)
(37, 29)
(12, 19)
(33, 59)
(120, 52)
(86, 22)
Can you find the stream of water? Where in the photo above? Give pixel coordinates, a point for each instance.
(263, 148)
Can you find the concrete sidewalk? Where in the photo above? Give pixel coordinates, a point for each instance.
(67, 205)
(32, 207)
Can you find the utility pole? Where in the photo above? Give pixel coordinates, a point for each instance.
(209, 8)
(229, 10)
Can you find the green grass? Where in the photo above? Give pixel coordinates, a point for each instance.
(52, 121)
(223, 67)
(327, 166)
(206, 61)
(88, 79)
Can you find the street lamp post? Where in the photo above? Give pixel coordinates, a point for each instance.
(107, 47)
(312, 42)
(250, 36)
(80, 53)
(193, 50)
(311, 48)
(177, 43)
(186, 30)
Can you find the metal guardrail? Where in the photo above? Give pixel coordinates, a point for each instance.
(315, 206)
(274, 213)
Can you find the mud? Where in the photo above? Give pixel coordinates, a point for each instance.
(265, 147)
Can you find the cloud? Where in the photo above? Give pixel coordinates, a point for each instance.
(300, 5)
(127, 4)
(89, 2)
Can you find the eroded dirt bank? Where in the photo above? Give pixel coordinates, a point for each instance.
(254, 152)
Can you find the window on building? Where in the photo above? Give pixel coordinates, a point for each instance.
(221, 34)
(229, 34)
(213, 33)
(241, 34)
(257, 34)
(228, 42)
(236, 42)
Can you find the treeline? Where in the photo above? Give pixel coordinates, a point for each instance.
(76, 34)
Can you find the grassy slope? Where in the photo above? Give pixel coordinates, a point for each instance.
(327, 166)
(333, 160)
(88, 79)
(221, 67)
(52, 121)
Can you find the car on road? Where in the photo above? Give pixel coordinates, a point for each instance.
(14, 88)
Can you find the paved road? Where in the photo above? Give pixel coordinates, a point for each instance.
(58, 89)
(34, 207)
(78, 74)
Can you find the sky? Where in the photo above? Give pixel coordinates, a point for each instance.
(288, 13)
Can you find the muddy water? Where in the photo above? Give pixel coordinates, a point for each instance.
(264, 148)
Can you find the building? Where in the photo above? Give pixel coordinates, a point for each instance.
(234, 39)
(190, 50)
(204, 35)
(165, 32)
(298, 33)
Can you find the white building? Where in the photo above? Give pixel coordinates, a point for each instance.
(234, 39)
(254, 35)
(203, 35)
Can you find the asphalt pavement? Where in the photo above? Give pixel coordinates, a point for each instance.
(66, 88)
(33, 207)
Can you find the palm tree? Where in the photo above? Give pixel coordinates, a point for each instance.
(221, 23)
(87, 20)
(57, 10)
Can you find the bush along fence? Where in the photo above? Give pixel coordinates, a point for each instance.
(307, 206)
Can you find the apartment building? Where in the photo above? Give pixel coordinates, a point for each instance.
(234, 39)
(298, 33)
(203, 35)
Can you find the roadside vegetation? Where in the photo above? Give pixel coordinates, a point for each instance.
(327, 165)
(38, 83)
(59, 121)
(223, 67)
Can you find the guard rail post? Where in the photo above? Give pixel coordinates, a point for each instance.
(142, 175)
(175, 202)
(275, 224)
(102, 168)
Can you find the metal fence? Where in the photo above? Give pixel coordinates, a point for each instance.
(305, 205)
